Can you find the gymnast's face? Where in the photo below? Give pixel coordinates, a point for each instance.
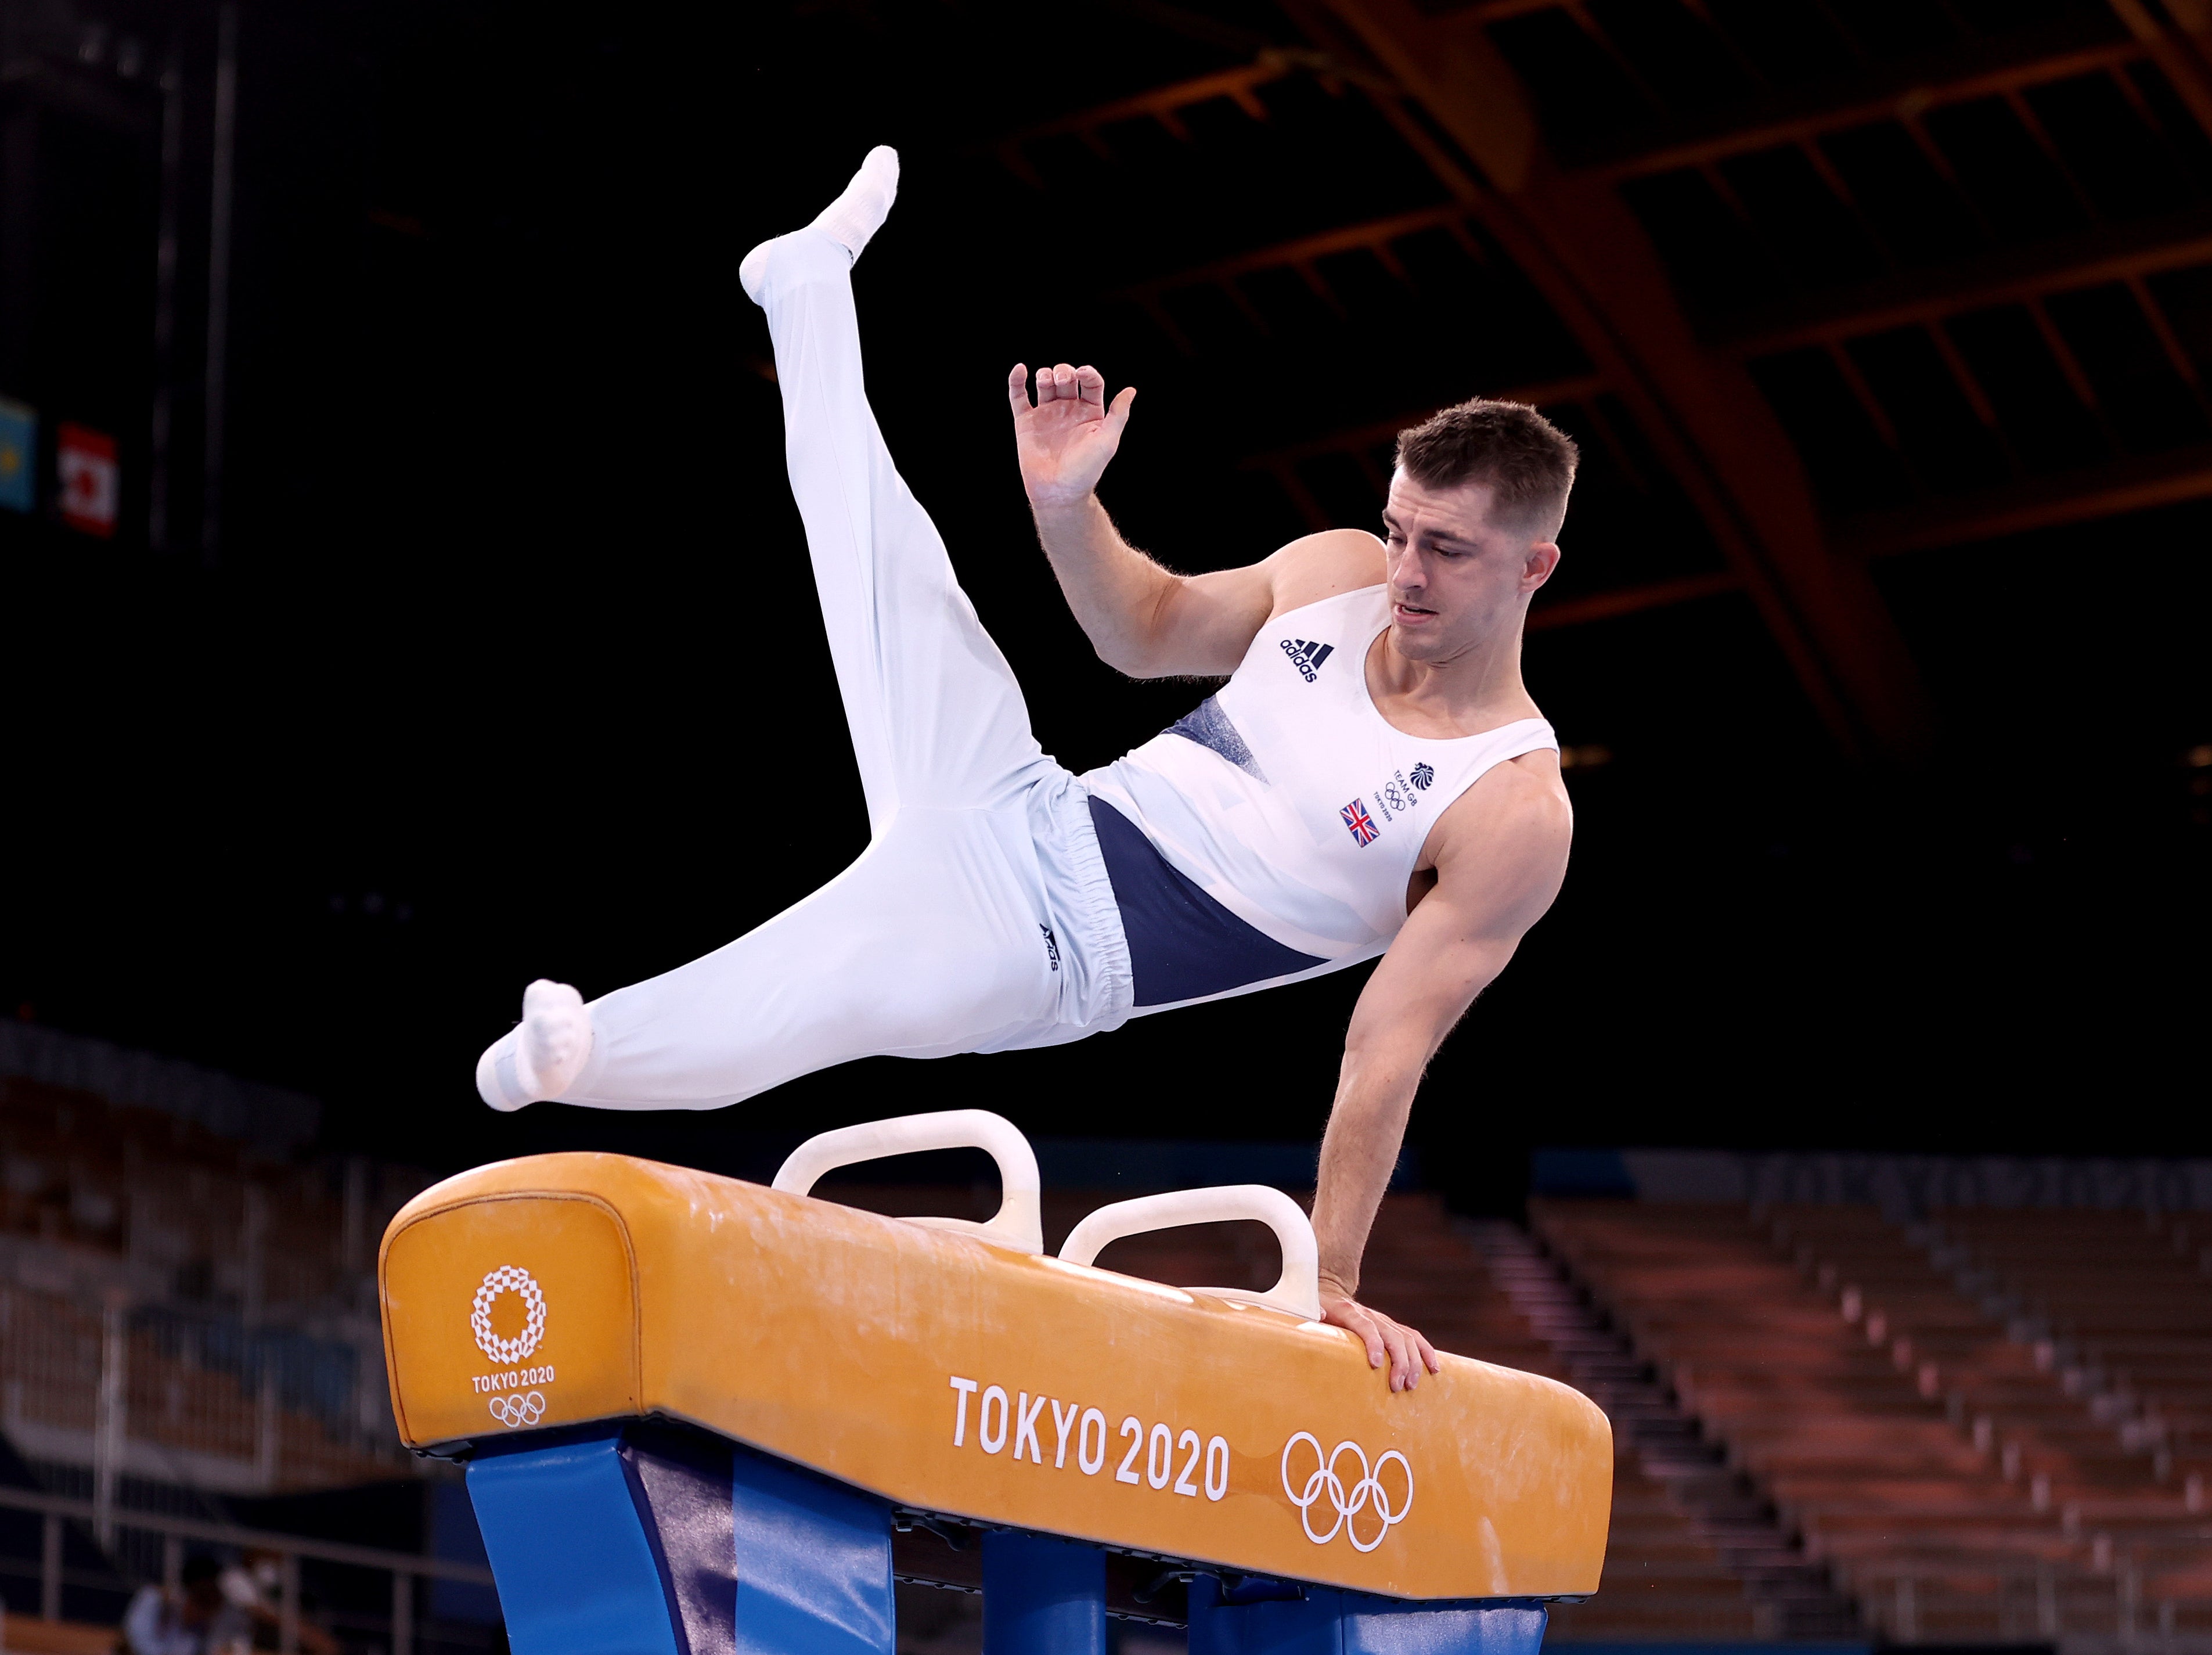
(1457, 579)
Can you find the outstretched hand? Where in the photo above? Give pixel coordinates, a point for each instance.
(1065, 441)
(1406, 1351)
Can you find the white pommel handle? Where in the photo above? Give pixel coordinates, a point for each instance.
(1015, 1225)
(1298, 1291)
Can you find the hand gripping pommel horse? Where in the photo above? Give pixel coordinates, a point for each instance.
(699, 1416)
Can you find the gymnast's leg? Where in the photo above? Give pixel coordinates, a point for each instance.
(937, 718)
(932, 942)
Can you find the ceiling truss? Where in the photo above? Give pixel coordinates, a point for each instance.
(1457, 105)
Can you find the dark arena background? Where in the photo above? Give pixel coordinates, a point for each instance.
(403, 599)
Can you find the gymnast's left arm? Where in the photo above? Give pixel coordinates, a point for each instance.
(1501, 856)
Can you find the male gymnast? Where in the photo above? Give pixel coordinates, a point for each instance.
(1372, 780)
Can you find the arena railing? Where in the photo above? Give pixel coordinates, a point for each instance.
(405, 1568)
(205, 1403)
(2081, 1611)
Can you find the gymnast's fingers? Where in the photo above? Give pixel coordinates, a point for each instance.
(1063, 382)
(1018, 388)
(1428, 1354)
(1364, 1324)
(1401, 1360)
(1090, 385)
(1118, 415)
(1340, 1310)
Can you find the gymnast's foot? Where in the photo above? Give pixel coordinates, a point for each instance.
(541, 1057)
(849, 220)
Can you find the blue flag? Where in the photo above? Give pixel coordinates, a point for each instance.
(19, 457)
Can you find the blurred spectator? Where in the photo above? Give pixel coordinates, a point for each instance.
(198, 1618)
(255, 1585)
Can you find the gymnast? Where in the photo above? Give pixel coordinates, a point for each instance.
(1373, 779)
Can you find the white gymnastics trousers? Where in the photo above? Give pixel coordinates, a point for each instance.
(980, 917)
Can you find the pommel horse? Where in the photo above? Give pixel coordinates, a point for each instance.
(702, 1417)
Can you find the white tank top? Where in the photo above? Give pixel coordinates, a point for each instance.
(1290, 799)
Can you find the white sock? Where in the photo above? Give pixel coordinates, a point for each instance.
(859, 212)
(542, 1058)
(850, 220)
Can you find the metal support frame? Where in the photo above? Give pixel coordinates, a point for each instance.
(1891, 102)
(2132, 484)
(1267, 1617)
(109, 1418)
(1240, 85)
(2008, 277)
(2181, 47)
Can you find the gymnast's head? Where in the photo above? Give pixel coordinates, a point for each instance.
(1472, 524)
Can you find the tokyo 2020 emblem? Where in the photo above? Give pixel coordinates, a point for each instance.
(508, 1279)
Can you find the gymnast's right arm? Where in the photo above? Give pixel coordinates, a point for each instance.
(1143, 619)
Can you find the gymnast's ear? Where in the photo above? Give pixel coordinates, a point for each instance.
(1540, 561)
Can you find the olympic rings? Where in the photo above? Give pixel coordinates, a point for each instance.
(508, 1279)
(1325, 1481)
(513, 1411)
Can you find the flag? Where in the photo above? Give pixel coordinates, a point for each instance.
(91, 481)
(19, 457)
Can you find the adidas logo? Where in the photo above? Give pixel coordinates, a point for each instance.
(1306, 657)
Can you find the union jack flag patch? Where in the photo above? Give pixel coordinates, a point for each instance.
(1361, 825)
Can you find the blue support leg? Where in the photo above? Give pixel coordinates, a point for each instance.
(1043, 1597)
(570, 1550)
(1330, 1623)
(657, 1539)
(814, 1565)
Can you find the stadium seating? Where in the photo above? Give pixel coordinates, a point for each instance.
(248, 1334)
(1980, 1422)
(28, 1635)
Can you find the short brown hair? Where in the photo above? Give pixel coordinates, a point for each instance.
(1527, 460)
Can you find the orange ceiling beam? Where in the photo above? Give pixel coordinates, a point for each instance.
(1575, 239)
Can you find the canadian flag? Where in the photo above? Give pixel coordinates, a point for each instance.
(91, 481)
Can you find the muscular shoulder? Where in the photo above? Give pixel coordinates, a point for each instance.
(1523, 801)
(1323, 565)
(1505, 839)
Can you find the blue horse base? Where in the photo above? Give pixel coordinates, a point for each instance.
(650, 1538)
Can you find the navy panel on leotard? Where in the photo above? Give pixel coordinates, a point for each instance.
(1182, 944)
(1209, 727)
